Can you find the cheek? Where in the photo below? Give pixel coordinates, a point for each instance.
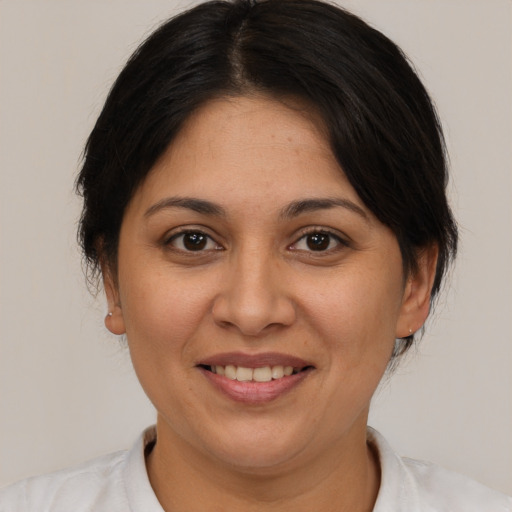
(163, 309)
(356, 314)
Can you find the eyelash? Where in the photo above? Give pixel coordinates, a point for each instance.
(340, 242)
(168, 242)
(330, 237)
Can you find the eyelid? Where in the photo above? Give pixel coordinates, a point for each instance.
(342, 239)
(173, 234)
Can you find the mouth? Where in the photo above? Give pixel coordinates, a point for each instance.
(255, 379)
(260, 374)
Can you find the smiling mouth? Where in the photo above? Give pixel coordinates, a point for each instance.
(260, 374)
(255, 379)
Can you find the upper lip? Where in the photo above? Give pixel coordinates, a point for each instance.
(254, 360)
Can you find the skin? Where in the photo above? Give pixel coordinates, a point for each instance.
(256, 287)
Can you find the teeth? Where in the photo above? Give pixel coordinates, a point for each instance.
(230, 372)
(288, 370)
(277, 372)
(263, 374)
(244, 374)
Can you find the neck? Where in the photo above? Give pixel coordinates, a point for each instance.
(344, 478)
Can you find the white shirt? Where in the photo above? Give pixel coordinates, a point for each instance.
(119, 483)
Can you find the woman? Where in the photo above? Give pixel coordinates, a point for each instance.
(264, 194)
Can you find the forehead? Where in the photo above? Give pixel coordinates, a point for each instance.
(246, 150)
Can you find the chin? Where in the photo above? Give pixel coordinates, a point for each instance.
(255, 450)
(258, 459)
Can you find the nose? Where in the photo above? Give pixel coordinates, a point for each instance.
(254, 297)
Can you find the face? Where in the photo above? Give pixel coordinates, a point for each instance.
(245, 256)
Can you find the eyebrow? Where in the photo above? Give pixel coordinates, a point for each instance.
(301, 206)
(197, 205)
(291, 210)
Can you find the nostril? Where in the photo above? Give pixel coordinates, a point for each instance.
(252, 308)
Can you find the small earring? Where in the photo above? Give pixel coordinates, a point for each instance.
(109, 313)
(410, 330)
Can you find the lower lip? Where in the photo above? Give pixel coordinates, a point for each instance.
(255, 392)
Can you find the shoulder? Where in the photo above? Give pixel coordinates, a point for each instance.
(76, 488)
(439, 487)
(415, 486)
(113, 483)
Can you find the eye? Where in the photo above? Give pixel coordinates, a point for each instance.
(318, 241)
(194, 241)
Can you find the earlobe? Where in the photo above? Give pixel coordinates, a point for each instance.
(417, 292)
(114, 320)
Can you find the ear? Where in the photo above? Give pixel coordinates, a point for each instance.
(114, 321)
(416, 298)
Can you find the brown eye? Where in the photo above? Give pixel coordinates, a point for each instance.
(192, 241)
(318, 241)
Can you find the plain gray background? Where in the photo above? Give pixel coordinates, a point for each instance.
(67, 390)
